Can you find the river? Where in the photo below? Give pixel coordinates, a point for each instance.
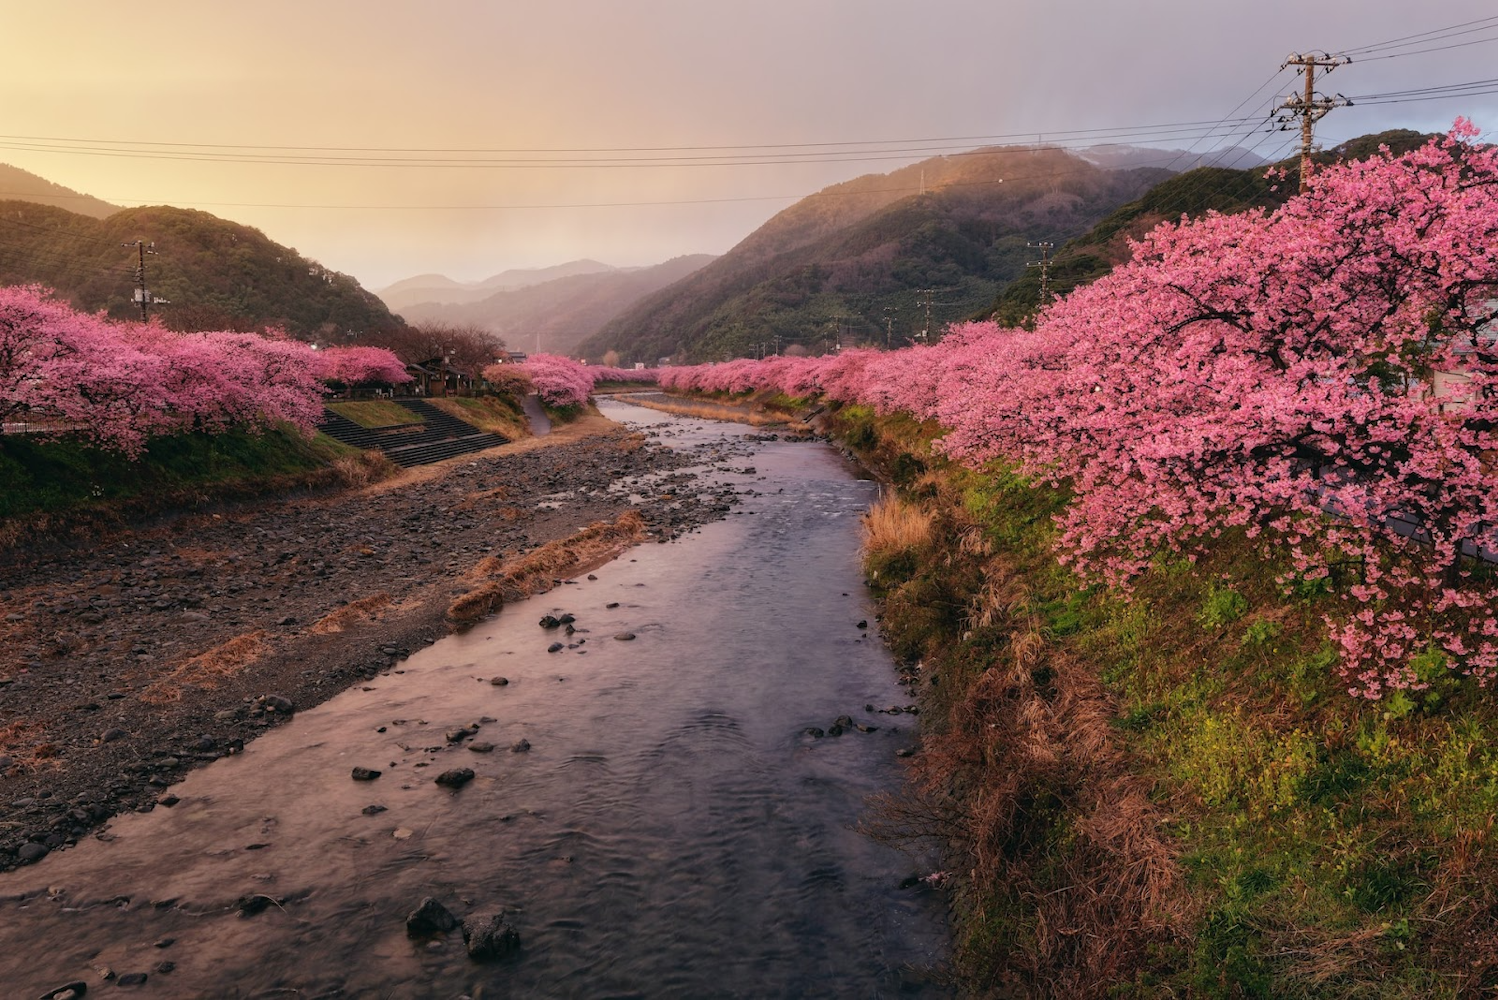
(672, 830)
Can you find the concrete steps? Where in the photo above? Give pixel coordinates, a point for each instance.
(439, 436)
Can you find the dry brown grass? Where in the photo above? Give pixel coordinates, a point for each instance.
(1025, 780)
(711, 410)
(892, 525)
(499, 580)
(206, 669)
(356, 611)
(364, 468)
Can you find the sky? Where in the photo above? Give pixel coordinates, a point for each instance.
(389, 139)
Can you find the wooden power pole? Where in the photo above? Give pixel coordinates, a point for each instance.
(1309, 108)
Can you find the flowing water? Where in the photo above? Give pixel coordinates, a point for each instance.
(672, 831)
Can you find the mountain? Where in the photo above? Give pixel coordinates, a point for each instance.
(557, 315)
(1120, 156)
(213, 273)
(878, 259)
(1196, 192)
(436, 288)
(19, 185)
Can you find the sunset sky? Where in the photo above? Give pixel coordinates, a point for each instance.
(294, 117)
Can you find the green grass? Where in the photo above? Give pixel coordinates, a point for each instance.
(50, 477)
(376, 413)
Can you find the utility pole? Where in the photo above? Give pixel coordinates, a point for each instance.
(141, 295)
(1309, 108)
(889, 325)
(926, 331)
(1044, 263)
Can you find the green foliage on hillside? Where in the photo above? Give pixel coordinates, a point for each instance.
(849, 263)
(1196, 192)
(214, 274)
(39, 476)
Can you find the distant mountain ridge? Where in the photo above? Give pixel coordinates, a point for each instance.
(557, 315)
(1121, 156)
(879, 259)
(20, 185)
(440, 289)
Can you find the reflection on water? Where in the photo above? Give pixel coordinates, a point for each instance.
(672, 829)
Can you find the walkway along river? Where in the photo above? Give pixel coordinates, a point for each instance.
(650, 803)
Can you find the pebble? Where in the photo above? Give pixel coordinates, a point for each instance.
(499, 682)
(625, 636)
(520, 746)
(365, 774)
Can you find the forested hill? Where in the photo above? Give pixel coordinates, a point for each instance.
(1194, 193)
(850, 263)
(213, 273)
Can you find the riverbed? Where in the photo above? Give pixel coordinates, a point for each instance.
(655, 813)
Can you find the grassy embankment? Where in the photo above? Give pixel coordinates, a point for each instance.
(1169, 794)
(52, 488)
(500, 415)
(376, 412)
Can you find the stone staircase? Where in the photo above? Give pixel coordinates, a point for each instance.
(440, 435)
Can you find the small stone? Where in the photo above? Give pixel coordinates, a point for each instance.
(365, 774)
(866, 729)
(813, 732)
(478, 747)
(431, 917)
(277, 703)
(168, 800)
(520, 746)
(625, 636)
(489, 936)
(110, 735)
(547, 621)
(566, 619)
(373, 810)
(456, 778)
(68, 991)
(612, 605)
(165, 942)
(499, 682)
(165, 967)
(904, 752)
(458, 735)
(132, 979)
(555, 647)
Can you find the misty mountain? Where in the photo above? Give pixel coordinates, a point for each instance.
(1120, 156)
(880, 258)
(557, 315)
(436, 288)
(20, 185)
(215, 274)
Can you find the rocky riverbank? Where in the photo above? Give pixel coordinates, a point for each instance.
(129, 660)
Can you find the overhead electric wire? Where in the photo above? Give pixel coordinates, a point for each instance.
(1421, 38)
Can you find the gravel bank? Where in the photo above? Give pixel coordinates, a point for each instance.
(126, 662)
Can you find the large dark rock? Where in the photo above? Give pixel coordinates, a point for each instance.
(430, 918)
(488, 936)
(365, 774)
(456, 778)
(27, 853)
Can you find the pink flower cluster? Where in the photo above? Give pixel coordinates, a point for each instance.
(559, 381)
(118, 384)
(1324, 377)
